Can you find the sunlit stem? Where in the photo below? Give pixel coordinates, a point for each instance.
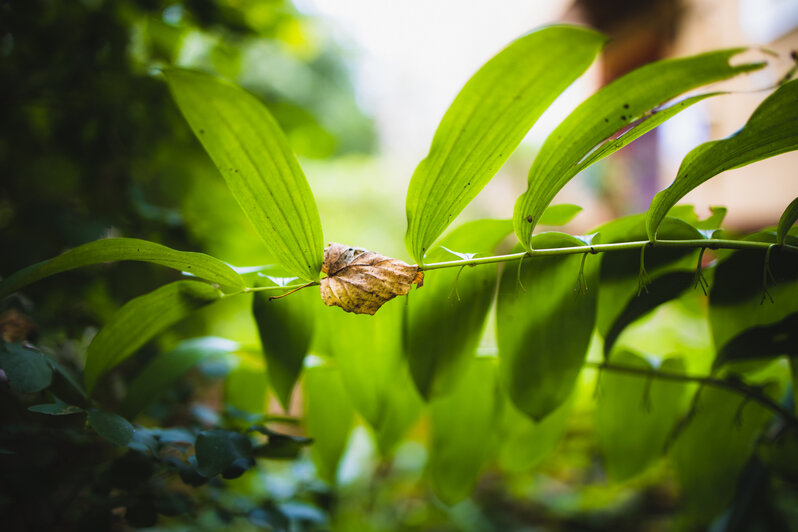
(608, 248)
(290, 289)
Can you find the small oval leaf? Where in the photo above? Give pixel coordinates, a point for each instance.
(112, 427)
(28, 370)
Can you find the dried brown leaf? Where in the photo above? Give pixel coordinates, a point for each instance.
(360, 281)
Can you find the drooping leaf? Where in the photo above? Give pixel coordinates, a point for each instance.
(368, 354)
(771, 130)
(662, 289)
(636, 414)
(112, 427)
(620, 276)
(329, 416)
(158, 375)
(246, 385)
(687, 214)
(559, 214)
(544, 323)
(216, 450)
(615, 116)
(444, 321)
(711, 450)
(525, 443)
(741, 311)
(253, 156)
(787, 220)
(28, 370)
(139, 320)
(487, 121)
(115, 249)
(286, 329)
(361, 281)
(463, 431)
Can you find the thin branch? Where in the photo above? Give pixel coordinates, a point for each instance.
(606, 248)
(749, 392)
(290, 289)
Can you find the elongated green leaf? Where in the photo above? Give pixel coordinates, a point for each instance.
(246, 385)
(771, 130)
(329, 416)
(463, 431)
(487, 121)
(664, 288)
(253, 156)
(711, 451)
(620, 275)
(112, 427)
(286, 330)
(613, 117)
(113, 249)
(636, 414)
(368, 354)
(444, 321)
(157, 377)
(28, 370)
(741, 313)
(786, 221)
(559, 214)
(544, 325)
(139, 320)
(524, 443)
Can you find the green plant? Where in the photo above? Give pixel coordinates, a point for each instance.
(556, 295)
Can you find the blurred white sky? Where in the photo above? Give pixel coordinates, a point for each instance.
(410, 58)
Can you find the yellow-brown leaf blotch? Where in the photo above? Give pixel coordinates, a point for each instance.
(360, 281)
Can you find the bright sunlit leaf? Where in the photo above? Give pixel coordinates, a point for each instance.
(253, 155)
(613, 117)
(487, 121)
(771, 130)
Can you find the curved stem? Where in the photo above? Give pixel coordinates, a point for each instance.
(287, 289)
(607, 248)
(749, 392)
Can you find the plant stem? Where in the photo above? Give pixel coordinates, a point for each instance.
(605, 248)
(289, 289)
(738, 387)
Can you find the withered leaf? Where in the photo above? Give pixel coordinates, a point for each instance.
(360, 281)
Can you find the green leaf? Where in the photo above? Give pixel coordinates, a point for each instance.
(329, 416)
(27, 369)
(742, 314)
(158, 376)
(661, 290)
(112, 427)
(620, 276)
(559, 214)
(216, 450)
(444, 321)
(636, 414)
(615, 116)
(59, 408)
(286, 329)
(246, 385)
(544, 325)
(711, 450)
(368, 353)
(139, 320)
(687, 213)
(463, 431)
(786, 221)
(771, 130)
(114, 249)
(487, 121)
(525, 443)
(253, 156)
